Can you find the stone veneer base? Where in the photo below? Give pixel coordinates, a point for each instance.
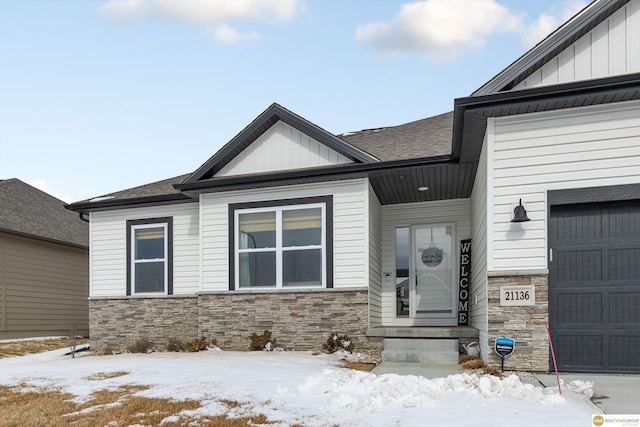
(298, 320)
(525, 324)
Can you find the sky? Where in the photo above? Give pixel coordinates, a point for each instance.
(98, 96)
(298, 388)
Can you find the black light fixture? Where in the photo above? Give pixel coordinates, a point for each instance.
(520, 214)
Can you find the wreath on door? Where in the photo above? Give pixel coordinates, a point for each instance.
(432, 256)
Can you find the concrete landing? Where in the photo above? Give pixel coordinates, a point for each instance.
(429, 371)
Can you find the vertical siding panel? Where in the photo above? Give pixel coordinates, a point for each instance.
(3, 287)
(375, 261)
(583, 57)
(600, 50)
(534, 79)
(550, 72)
(618, 42)
(633, 36)
(566, 65)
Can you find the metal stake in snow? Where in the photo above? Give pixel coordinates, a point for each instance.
(553, 356)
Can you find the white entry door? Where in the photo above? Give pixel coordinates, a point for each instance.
(433, 271)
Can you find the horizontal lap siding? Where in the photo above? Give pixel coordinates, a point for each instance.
(402, 215)
(478, 295)
(109, 251)
(535, 153)
(350, 257)
(611, 48)
(44, 287)
(375, 272)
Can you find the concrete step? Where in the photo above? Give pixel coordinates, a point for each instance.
(421, 351)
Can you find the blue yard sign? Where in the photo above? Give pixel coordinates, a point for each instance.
(504, 346)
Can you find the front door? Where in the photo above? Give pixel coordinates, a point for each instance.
(433, 271)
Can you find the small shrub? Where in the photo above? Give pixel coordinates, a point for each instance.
(337, 342)
(472, 364)
(262, 342)
(491, 370)
(199, 344)
(143, 345)
(176, 345)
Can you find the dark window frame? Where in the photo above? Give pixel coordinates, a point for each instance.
(160, 221)
(328, 202)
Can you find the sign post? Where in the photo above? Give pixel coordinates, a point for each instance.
(504, 347)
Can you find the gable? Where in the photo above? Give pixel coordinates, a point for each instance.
(609, 49)
(282, 147)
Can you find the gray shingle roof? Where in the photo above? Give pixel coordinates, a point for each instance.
(428, 137)
(28, 211)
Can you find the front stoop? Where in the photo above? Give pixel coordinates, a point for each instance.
(416, 350)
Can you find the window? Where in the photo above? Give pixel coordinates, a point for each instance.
(149, 255)
(281, 246)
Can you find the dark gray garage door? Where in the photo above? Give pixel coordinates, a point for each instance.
(594, 286)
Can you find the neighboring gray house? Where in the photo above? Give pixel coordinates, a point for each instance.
(44, 265)
(404, 235)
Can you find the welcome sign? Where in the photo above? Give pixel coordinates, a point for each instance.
(464, 282)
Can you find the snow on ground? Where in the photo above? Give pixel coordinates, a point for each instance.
(297, 387)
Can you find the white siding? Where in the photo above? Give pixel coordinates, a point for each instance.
(282, 147)
(108, 256)
(402, 215)
(611, 48)
(478, 295)
(375, 272)
(535, 153)
(350, 219)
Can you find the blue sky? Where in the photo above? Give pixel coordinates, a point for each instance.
(99, 96)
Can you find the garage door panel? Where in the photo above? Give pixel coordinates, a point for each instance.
(624, 307)
(624, 352)
(586, 351)
(624, 264)
(594, 286)
(579, 308)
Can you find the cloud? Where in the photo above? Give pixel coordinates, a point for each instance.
(199, 12)
(441, 29)
(547, 22)
(227, 35)
(444, 29)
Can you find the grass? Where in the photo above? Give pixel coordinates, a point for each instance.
(21, 348)
(24, 405)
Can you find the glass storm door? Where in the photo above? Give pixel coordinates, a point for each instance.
(433, 285)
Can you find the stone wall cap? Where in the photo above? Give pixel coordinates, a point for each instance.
(283, 291)
(505, 273)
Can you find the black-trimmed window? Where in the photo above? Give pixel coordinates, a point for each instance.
(150, 256)
(281, 244)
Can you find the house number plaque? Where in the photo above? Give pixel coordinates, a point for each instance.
(512, 295)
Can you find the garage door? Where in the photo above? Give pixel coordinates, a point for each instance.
(594, 286)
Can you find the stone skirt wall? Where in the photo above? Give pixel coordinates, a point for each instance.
(298, 320)
(117, 323)
(525, 324)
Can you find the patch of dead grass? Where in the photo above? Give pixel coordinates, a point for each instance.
(107, 375)
(24, 406)
(21, 348)
(359, 366)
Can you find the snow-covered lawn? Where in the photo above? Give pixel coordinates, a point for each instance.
(297, 387)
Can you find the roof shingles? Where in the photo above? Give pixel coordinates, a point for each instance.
(25, 210)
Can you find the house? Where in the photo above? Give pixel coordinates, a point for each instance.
(404, 237)
(44, 265)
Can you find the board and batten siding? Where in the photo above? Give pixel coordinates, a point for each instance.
(282, 147)
(534, 153)
(350, 219)
(478, 310)
(375, 259)
(44, 288)
(108, 235)
(611, 48)
(404, 215)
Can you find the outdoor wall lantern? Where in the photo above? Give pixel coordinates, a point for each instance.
(520, 214)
